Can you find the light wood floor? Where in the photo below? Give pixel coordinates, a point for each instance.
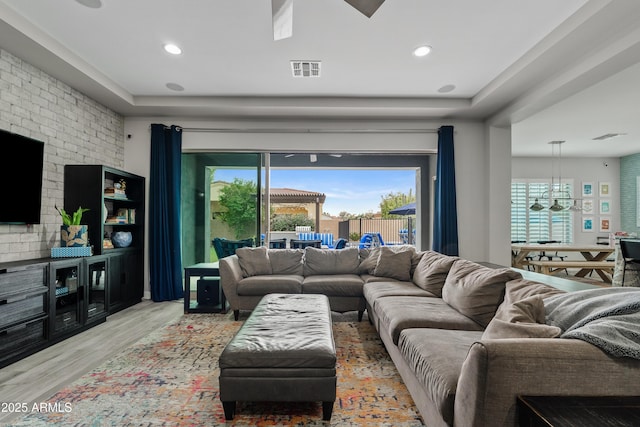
(39, 376)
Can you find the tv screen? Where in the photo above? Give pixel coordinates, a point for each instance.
(20, 178)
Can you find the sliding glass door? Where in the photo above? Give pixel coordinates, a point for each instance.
(220, 199)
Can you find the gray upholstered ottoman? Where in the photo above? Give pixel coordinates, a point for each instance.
(284, 352)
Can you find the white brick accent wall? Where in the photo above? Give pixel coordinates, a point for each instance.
(75, 130)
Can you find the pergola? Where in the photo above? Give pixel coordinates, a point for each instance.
(289, 195)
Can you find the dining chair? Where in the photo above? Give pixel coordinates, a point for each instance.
(630, 255)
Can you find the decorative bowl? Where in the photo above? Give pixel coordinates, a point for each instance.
(121, 239)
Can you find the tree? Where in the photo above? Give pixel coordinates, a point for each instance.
(289, 222)
(239, 199)
(394, 200)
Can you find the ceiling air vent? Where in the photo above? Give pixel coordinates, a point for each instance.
(607, 136)
(305, 68)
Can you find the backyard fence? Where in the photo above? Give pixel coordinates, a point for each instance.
(393, 231)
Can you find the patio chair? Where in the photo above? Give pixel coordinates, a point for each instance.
(225, 247)
(278, 244)
(340, 244)
(630, 255)
(301, 244)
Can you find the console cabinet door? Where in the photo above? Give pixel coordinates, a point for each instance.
(97, 285)
(66, 297)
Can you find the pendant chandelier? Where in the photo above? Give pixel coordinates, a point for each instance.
(561, 197)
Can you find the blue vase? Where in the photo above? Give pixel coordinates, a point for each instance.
(121, 239)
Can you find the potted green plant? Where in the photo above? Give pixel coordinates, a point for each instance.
(72, 232)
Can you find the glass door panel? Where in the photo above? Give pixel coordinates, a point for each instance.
(220, 201)
(66, 298)
(96, 289)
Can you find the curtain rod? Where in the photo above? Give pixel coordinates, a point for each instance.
(280, 130)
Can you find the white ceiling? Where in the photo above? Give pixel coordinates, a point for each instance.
(544, 66)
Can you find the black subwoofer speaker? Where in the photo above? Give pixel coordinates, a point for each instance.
(208, 292)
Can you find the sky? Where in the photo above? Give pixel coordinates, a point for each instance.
(355, 191)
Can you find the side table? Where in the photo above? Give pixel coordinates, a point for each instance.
(202, 270)
(582, 411)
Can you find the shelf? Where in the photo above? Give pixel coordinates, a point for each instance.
(118, 199)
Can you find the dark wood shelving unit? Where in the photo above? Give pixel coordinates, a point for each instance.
(86, 186)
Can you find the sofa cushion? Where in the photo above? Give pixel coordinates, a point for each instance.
(286, 261)
(349, 285)
(269, 284)
(394, 264)
(436, 357)
(368, 278)
(254, 261)
(396, 313)
(368, 260)
(369, 257)
(518, 289)
(431, 272)
(330, 261)
(374, 290)
(522, 319)
(476, 291)
(521, 314)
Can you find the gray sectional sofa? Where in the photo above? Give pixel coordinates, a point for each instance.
(466, 338)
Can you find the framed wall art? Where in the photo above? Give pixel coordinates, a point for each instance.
(587, 206)
(605, 189)
(605, 206)
(587, 223)
(587, 189)
(605, 224)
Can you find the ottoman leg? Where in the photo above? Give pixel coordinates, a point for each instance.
(236, 314)
(229, 409)
(327, 409)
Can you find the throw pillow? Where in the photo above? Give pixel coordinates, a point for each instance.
(522, 319)
(396, 265)
(431, 272)
(330, 261)
(254, 261)
(368, 260)
(286, 261)
(476, 291)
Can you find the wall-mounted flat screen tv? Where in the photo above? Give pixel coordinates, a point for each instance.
(20, 179)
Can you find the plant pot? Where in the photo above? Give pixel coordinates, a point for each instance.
(74, 236)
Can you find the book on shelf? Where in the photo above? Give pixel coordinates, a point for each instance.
(132, 216)
(117, 220)
(115, 192)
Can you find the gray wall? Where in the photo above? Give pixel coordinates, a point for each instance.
(594, 170)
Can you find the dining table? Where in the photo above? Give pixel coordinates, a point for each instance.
(521, 253)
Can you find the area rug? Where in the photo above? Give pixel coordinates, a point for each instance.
(170, 378)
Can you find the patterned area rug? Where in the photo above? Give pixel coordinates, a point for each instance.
(170, 378)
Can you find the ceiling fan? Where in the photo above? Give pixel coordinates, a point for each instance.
(282, 14)
(313, 158)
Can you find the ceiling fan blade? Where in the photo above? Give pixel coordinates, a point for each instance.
(366, 7)
(282, 18)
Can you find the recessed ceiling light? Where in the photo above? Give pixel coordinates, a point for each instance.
(172, 49)
(421, 51)
(447, 88)
(175, 86)
(94, 4)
